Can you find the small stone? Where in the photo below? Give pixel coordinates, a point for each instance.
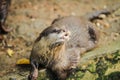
(102, 16)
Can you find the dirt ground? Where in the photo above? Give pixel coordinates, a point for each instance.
(29, 17)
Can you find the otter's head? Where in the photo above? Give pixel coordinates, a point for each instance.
(55, 36)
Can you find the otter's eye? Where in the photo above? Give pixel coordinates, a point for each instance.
(56, 31)
(63, 30)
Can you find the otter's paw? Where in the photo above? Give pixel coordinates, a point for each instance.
(33, 75)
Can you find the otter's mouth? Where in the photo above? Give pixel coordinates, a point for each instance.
(56, 44)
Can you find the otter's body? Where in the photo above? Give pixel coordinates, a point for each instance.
(59, 46)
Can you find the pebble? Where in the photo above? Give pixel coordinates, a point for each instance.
(102, 16)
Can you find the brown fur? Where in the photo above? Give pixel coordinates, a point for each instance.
(61, 58)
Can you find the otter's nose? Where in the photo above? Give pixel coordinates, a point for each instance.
(67, 33)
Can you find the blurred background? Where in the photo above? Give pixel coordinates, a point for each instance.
(28, 18)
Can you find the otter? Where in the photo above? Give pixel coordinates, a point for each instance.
(4, 9)
(58, 47)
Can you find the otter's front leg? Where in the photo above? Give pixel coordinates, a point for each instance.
(34, 71)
